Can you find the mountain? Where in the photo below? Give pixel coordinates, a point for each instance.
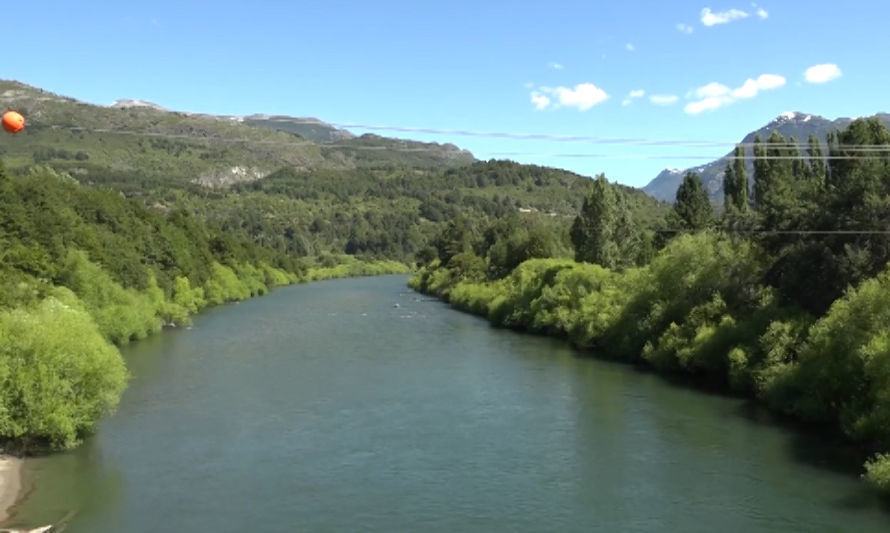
(370, 196)
(308, 128)
(137, 139)
(135, 103)
(790, 124)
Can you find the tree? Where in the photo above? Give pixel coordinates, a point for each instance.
(741, 179)
(799, 168)
(605, 233)
(736, 214)
(729, 187)
(454, 239)
(816, 160)
(777, 168)
(854, 199)
(761, 170)
(511, 240)
(693, 208)
(735, 183)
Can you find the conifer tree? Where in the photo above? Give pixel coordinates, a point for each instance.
(604, 232)
(693, 208)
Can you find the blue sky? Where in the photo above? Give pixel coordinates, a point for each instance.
(551, 68)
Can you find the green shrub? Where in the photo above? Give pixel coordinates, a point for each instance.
(58, 374)
(877, 472)
(224, 286)
(121, 314)
(844, 368)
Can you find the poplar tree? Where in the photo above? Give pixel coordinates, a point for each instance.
(741, 179)
(816, 159)
(735, 182)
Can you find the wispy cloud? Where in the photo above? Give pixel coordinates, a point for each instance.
(630, 47)
(556, 66)
(684, 28)
(582, 97)
(664, 99)
(706, 104)
(822, 73)
(759, 11)
(711, 18)
(716, 95)
(633, 95)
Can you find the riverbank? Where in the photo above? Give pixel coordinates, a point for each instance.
(10, 483)
(681, 316)
(530, 430)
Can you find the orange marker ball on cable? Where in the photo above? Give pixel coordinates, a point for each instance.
(13, 122)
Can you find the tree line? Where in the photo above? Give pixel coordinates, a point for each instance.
(84, 270)
(781, 295)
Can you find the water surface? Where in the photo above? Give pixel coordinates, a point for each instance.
(324, 407)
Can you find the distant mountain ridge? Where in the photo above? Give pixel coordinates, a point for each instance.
(306, 127)
(789, 124)
(124, 103)
(140, 138)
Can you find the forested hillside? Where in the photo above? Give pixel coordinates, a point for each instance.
(132, 144)
(113, 223)
(84, 269)
(368, 196)
(783, 297)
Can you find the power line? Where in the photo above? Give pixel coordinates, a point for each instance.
(574, 138)
(852, 149)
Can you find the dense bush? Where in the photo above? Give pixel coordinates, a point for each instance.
(58, 374)
(83, 270)
(701, 308)
(877, 472)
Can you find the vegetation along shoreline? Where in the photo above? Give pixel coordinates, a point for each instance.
(751, 301)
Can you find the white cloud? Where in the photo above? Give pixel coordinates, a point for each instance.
(715, 95)
(528, 85)
(711, 90)
(663, 99)
(630, 47)
(633, 95)
(541, 102)
(709, 18)
(822, 73)
(684, 28)
(556, 66)
(762, 13)
(707, 104)
(582, 96)
(770, 81)
(747, 90)
(764, 82)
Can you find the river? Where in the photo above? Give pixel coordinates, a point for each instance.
(357, 405)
